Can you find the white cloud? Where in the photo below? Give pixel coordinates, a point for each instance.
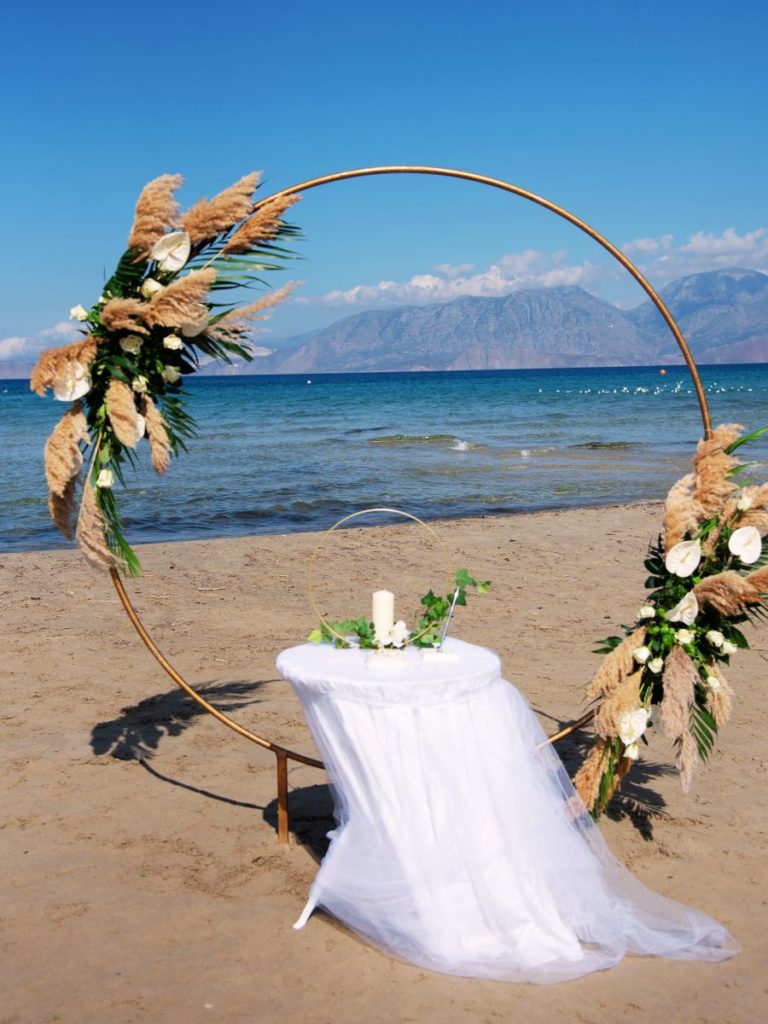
(528, 269)
(29, 347)
(662, 261)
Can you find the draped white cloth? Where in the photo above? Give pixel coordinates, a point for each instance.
(461, 845)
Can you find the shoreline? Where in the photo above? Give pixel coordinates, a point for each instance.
(138, 831)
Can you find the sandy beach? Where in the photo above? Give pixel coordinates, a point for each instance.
(143, 879)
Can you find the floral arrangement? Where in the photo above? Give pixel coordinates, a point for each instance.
(708, 575)
(151, 326)
(429, 630)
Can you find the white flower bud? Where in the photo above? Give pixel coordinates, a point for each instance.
(656, 665)
(78, 313)
(647, 612)
(105, 478)
(641, 655)
(173, 342)
(131, 344)
(683, 636)
(171, 374)
(150, 287)
(714, 684)
(715, 637)
(139, 385)
(728, 647)
(744, 503)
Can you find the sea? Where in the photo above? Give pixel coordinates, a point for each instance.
(279, 454)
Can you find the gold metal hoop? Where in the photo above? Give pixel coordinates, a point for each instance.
(282, 753)
(356, 515)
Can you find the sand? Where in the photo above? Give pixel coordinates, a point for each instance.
(143, 879)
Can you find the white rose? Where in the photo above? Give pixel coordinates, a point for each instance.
(656, 665)
(744, 503)
(74, 383)
(715, 637)
(131, 343)
(172, 341)
(746, 543)
(728, 647)
(105, 478)
(632, 725)
(398, 634)
(683, 558)
(714, 684)
(683, 636)
(647, 612)
(685, 611)
(150, 287)
(171, 251)
(78, 313)
(171, 374)
(632, 752)
(641, 655)
(139, 384)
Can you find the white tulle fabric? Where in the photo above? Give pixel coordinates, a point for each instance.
(461, 845)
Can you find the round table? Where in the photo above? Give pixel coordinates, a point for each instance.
(461, 845)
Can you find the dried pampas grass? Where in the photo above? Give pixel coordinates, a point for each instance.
(156, 210)
(55, 363)
(727, 592)
(616, 665)
(181, 302)
(719, 701)
(759, 580)
(124, 315)
(263, 226)
(62, 455)
(711, 466)
(207, 220)
(91, 531)
(680, 678)
(157, 432)
(586, 781)
(679, 512)
(687, 759)
(625, 697)
(126, 421)
(232, 326)
(62, 508)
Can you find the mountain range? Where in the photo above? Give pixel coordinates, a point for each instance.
(723, 315)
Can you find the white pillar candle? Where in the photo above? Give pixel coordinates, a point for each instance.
(383, 615)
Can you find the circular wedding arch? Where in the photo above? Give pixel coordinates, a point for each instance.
(284, 754)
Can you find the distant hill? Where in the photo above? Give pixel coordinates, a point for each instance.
(723, 315)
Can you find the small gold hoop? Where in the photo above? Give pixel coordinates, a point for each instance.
(356, 515)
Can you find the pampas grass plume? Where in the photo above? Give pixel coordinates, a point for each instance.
(123, 414)
(207, 220)
(156, 211)
(679, 512)
(62, 455)
(124, 315)
(54, 363)
(617, 664)
(586, 781)
(157, 432)
(680, 677)
(181, 301)
(91, 531)
(263, 226)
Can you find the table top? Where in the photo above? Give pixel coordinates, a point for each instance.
(414, 677)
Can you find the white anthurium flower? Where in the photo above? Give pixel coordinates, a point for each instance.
(173, 342)
(647, 612)
(744, 503)
(75, 382)
(192, 328)
(150, 287)
(131, 344)
(746, 543)
(171, 251)
(685, 610)
(656, 665)
(105, 478)
(139, 385)
(632, 725)
(171, 374)
(683, 636)
(714, 684)
(715, 637)
(683, 558)
(632, 752)
(78, 313)
(728, 647)
(641, 655)
(398, 634)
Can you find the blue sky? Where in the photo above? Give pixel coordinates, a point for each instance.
(648, 121)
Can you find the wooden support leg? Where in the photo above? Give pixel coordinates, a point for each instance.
(282, 797)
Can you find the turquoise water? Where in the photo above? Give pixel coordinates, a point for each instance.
(279, 454)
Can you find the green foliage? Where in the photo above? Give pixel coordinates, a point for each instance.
(429, 628)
